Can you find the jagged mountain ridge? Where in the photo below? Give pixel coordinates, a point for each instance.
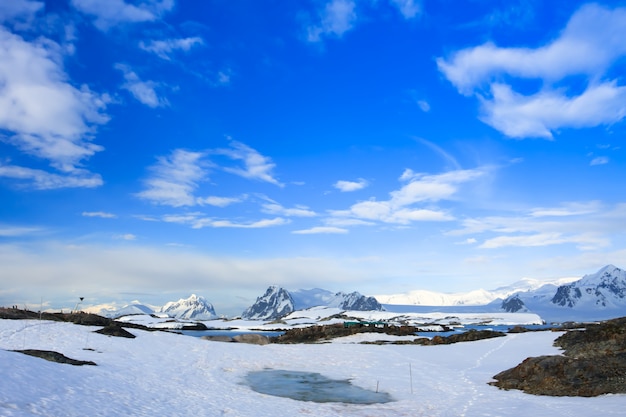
(605, 288)
(192, 308)
(597, 296)
(277, 302)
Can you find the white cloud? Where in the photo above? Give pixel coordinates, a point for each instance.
(585, 242)
(590, 44)
(588, 225)
(175, 178)
(337, 18)
(347, 186)
(421, 188)
(320, 230)
(256, 166)
(113, 12)
(408, 8)
(568, 209)
(143, 91)
(600, 160)
(21, 10)
(298, 211)
(44, 115)
(198, 220)
(423, 105)
(14, 231)
(126, 236)
(520, 116)
(220, 201)
(164, 48)
(43, 180)
(101, 214)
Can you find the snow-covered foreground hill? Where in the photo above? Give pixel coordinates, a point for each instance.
(161, 373)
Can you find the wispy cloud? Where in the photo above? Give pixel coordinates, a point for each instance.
(255, 165)
(589, 46)
(44, 180)
(446, 156)
(125, 236)
(408, 8)
(45, 116)
(298, 211)
(15, 231)
(401, 208)
(175, 179)
(220, 201)
(337, 18)
(599, 160)
(588, 225)
(166, 47)
(320, 230)
(113, 12)
(143, 91)
(198, 220)
(347, 186)
(19, 10)
(101, 214)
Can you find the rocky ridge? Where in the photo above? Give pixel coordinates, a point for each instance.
(593, 363)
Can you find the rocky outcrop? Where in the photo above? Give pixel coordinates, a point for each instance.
(356, 302)
(54, 357)
(274, 304)
(114, 329)
(252, 338)
(593, 363)
(513, 304)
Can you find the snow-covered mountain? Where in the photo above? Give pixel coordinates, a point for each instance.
(192, 308)
(604, 289)
(354, 301)
(274, 304)
(472, 298)
(113, 312)
(278, 302)
(597, 296)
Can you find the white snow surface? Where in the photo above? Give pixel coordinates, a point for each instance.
(160, 373)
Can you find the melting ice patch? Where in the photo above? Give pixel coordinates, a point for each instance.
(311, 386)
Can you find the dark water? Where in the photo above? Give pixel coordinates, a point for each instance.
(230, 333)
(496, 328)
(309, 386)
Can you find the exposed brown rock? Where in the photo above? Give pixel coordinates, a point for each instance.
(593, 363)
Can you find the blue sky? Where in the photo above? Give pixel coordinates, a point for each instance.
(151, 149)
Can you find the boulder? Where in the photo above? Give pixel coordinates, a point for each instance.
(254, 339)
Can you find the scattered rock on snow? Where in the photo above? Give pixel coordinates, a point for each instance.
(54, 357)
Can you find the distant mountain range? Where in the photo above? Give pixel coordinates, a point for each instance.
(597, 296)
(278, 302)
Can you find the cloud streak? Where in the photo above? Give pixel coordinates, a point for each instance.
(589, 46)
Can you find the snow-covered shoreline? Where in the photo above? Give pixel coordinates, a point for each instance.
(160, 373)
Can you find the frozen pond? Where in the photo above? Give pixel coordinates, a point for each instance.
(310, 386)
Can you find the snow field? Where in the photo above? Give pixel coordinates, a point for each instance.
(160, 373)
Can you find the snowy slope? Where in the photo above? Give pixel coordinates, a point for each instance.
(163, 374)
(112, 311)
(471, 298)
(192, 308)
(304, 299)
